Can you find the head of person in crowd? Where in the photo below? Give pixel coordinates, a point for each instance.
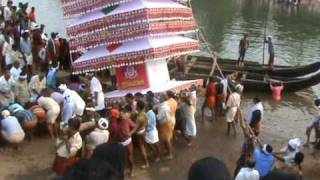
(238, 89)
(23, 76)
(62, 87)
(73, 126)
(41, 76)
(89, 76)
(45, 92)
(25, 34)
(16, 64)
(245, 36)
(256, 100)
(193, 88)
(149, 96)
(250, 162)
(294, 145)
(14, 9)
(42, 26)
(278, 175)
(139, 96)
(171, 94)
(33, 9)
(91, 113)
(212, 80)
(129, 98)
(267, 149)
(140, 106)
(115, 113)
(7, 75)
(5, 113)
(114, 154)
(124, 113)
(102, 123)
(93, 169)
(209, 168)
(163, 97)
(10, 3)
(20, 5)
(53, 35)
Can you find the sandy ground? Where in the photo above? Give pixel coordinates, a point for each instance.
(282, 121)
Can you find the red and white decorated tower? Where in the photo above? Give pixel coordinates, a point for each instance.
(135, 37)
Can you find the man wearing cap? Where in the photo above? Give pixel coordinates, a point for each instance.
(21, 92)
(11, 130)
(75, 98)
(315, 124)
(36, 85)
(294, 146)
(97, 94)
(98, 136)
(270, 50)
(7, 86)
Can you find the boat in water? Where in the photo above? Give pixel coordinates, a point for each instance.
(255, 77)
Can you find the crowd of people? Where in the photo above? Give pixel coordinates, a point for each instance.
(95, 140)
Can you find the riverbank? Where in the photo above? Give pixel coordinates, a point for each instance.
(283, 121)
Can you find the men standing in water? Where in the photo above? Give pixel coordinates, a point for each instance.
(270, 50)
(243, 46)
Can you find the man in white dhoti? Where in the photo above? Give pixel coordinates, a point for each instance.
(97, 94)
(6, 89)
(36, 85)
(233, 104)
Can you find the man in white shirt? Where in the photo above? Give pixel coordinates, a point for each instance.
(7, 51)
(75, 98)
(7, 12)
(15, 70)
(36, 85)
(7, 86)
(67, 148)
(248, 172)
(97, 94)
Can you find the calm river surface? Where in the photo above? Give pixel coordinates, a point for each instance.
(295, 30)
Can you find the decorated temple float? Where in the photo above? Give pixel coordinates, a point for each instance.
(136, 38)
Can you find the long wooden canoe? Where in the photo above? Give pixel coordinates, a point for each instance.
(252, 81)
(254, 67)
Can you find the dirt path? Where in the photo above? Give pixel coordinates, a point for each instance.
(282, 121)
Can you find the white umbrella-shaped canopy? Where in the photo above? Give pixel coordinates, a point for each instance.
(129, 14)
(134, 52)
(74, 8)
